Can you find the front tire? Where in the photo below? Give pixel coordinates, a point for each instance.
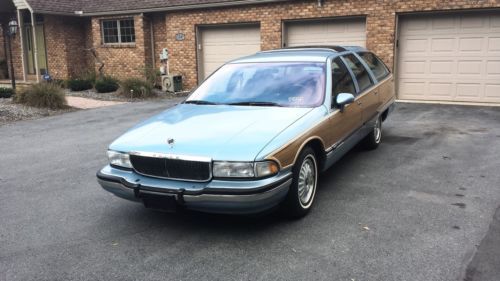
(373, 139)
(302, 191)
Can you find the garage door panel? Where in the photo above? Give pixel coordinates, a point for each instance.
(442, 44)
(413, 88)
(470, 44)
(445, 67)
(468, 68)
(469, 90)
(326, 32)
(494, 44)
(442, 24)
(493, 69)
(492, 92)
(224, 43)
(441, 89)
(456, 57)
(413, 69)
(412, 46)
(473, 22)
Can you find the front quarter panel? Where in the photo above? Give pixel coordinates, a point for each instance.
(284, 147)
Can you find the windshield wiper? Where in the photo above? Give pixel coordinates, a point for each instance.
(200, 102)
(255, 103)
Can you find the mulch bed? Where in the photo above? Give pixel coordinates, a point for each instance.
(114, 96)
(11, 112)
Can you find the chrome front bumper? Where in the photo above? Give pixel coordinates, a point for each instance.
(215, 196)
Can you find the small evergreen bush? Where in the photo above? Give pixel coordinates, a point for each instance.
(6, 92)
(79, 84)
(136, 88)
(46, 95)
(106, 85)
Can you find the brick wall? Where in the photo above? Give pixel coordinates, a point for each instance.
(123, 61)
(3, 52)
(66, 45)
(16, 54)
(16, 46)
(68, 37)
(380, 17)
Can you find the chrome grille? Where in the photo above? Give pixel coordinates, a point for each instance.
(171, 168)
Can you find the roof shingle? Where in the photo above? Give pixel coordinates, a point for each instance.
(120, 6)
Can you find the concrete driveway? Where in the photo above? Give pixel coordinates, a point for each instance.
(414, 209)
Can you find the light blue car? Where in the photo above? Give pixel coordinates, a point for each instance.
(256, 134)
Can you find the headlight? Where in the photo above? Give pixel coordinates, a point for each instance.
(266, 168)
(119, 159)
(244, 169)
(233, 169)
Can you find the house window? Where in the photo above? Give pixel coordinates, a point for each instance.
(118, 31)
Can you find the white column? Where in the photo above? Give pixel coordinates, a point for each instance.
(35, 47)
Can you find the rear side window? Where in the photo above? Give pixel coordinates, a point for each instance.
(375, 64)
(361, 74)
(341, 79)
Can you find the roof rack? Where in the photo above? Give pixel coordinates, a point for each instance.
(335, 48)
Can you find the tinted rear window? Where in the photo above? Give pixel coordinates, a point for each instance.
(375, 64)
(360, 72)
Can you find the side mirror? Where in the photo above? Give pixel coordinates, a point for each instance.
(344, 99)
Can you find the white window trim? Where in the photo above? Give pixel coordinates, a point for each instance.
(119, 32)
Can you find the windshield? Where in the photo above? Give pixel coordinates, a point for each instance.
(298, 84)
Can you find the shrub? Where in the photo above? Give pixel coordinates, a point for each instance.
(87, 74)
(47, 95)
(106, 84)
(136, 88)
(6, 92)
(79, 84)
(151, 74)
(61, 82)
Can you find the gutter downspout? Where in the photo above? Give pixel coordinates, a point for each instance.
(35, 47)
(21, 35)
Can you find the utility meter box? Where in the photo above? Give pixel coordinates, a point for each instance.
(171, 83)
(164, 54)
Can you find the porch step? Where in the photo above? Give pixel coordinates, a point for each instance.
(19, 84)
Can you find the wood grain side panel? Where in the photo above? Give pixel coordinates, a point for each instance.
(287, 154)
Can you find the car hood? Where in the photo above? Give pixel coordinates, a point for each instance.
(219, 132)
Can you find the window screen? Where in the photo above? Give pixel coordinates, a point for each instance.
(118, 31)
(375, 64)
(361, 74)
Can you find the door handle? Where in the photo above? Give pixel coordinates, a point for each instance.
(376, 92)
(360, 103)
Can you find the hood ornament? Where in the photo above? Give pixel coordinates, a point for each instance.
(171, 142)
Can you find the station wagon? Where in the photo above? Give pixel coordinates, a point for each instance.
(256, 134)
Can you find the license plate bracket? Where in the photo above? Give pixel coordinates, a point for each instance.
(166, 203)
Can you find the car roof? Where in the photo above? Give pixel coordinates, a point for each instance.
(301, 53)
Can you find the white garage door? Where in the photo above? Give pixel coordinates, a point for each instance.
(222, 44)
(450, 58)
(349, 32)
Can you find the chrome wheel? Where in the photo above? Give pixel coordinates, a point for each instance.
(307, 181)
(377, 131)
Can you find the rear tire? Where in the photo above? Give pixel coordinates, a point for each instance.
(373, 139)
(302, 191)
